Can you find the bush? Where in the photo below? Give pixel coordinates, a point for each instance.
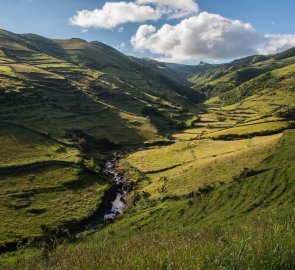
(149, 111)
(288, 112)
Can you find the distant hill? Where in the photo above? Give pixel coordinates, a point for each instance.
(239, 74)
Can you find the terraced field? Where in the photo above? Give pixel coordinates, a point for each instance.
(267, 186)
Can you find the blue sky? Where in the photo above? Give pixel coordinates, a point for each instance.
(51, 18)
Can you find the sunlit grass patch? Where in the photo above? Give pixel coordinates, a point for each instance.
(251, 129)
(49, 196)
(142, 126)
(187, 167)
(7, 70)
(20, 146)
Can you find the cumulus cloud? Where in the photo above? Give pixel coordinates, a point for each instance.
(205, 36)
(197, 36)
(173, 8)
(276, 43)
(113, 14)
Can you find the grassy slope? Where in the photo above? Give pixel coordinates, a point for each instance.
(58, 112)
(36, 170)
(20, 146)
(130, 77)
(73, 195)
(222, 78)
(59, 101)
(243, 224)
(254, 107)
(56, 81)
(197, 165)
(266, 84)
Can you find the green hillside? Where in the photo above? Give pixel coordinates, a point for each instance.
(229, 77)
(244, 222)
(206, 154)
(59, 115)
(61, 72)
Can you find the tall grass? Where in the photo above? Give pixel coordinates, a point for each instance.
(254, 245)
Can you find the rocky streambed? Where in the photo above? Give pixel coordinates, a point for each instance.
(120, 185)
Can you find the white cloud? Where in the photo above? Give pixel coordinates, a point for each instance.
(276, 43)
(201, 36)
(174, 8)
(205, 36)
(113, 14)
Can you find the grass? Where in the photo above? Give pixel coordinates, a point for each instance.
(30, 183)
(198, 203)
(256, 113)
(245, 224)
(187, 167)
(234, 81)
(123, 74)
(73, 195)
(212, 248)
(19, 146)
(7, 70)
(194, 133)
(28, 70)
(143, 127)
(271, 82)
(264, 103)
(250, 130)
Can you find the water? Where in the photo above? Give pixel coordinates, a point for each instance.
(119, 179)
(117, 207)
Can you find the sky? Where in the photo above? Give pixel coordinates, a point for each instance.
(184, 31)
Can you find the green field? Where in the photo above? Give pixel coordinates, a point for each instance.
(245, 223)
(43, 183)
(47, 197)
(189, 167)
(20, 146)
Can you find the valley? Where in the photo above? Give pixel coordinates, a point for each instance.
(203, 157)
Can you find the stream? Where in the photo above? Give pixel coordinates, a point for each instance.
(113, 205)
(122, 187)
